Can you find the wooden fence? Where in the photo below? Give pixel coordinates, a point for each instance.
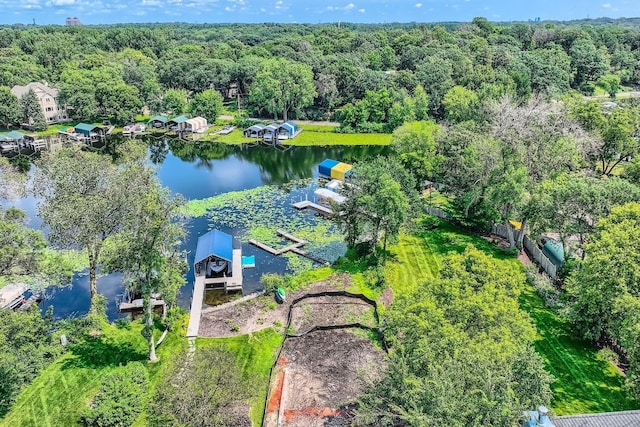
(532, 249)
(437, 212)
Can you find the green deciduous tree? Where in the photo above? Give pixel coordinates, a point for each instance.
(416, 145)
(10, 110)
(85, 199)
(610, 83)
(376, 205)
(454, 360)
(174, 101)
(122, 103)
(32, 112)
(146, 250)
(571, 205)
(207, 104)
(460, 104)
(281, 87)
(604, 288)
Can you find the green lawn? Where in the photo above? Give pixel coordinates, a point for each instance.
(59, 395)
(585, 383)
(255, 354)
(310, 137)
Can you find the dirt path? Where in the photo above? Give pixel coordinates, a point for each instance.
(259, 313)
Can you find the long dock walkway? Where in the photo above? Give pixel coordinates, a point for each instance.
(196, 307)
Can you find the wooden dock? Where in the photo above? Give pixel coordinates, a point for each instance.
(295, 248)
(307, 204)
(196, 307)
(202, 283)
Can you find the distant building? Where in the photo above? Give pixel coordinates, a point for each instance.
(73, 22)
(48, 100)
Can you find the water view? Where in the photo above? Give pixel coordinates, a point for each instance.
(244, 190)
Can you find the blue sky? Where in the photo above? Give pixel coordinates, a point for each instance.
(309, 11)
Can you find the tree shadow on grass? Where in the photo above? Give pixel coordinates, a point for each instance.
(97, 352)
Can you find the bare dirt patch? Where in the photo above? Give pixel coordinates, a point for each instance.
(324, 373)
(330, 311)
(260, 313)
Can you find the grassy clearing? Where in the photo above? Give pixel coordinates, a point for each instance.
(320, 135)
(307, 138)
(585, 383)
(59, 395)
(319, 128)
(255, 354)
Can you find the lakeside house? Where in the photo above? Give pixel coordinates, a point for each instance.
(52, 109)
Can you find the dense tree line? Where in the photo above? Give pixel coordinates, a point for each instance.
(374, 74)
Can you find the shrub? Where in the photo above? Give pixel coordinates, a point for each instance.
(271, 282)
(609, 355)
(375, 277)
(544, 286)
(121, 398)
(204, 389)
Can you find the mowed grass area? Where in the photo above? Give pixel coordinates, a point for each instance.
(584, 382)
(59, 395)
(311, 137)
(255, 355)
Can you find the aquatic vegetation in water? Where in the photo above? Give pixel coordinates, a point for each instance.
(258, 213)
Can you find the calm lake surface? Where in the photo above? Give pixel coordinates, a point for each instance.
(198, 171)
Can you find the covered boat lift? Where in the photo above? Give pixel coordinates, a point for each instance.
(218, 263)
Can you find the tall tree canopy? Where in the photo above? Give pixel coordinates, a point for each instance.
(462, 352)
(85, 198)
(282, 87)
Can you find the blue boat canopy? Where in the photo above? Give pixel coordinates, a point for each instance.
(14, 134)
(325, 167)
(214, 243)
(290, 126)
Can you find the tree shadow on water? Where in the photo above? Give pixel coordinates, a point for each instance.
(97, 352)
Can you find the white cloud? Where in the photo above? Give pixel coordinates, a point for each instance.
(606, 5)
(350, 6)
(62, 2)
(362, 10)
(228, 9)
(418, 5)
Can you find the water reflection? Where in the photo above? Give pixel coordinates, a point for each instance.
(199, 170)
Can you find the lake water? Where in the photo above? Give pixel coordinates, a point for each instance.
(199, 171)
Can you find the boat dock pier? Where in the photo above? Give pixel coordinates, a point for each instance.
(296, 247)
(307, 204)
